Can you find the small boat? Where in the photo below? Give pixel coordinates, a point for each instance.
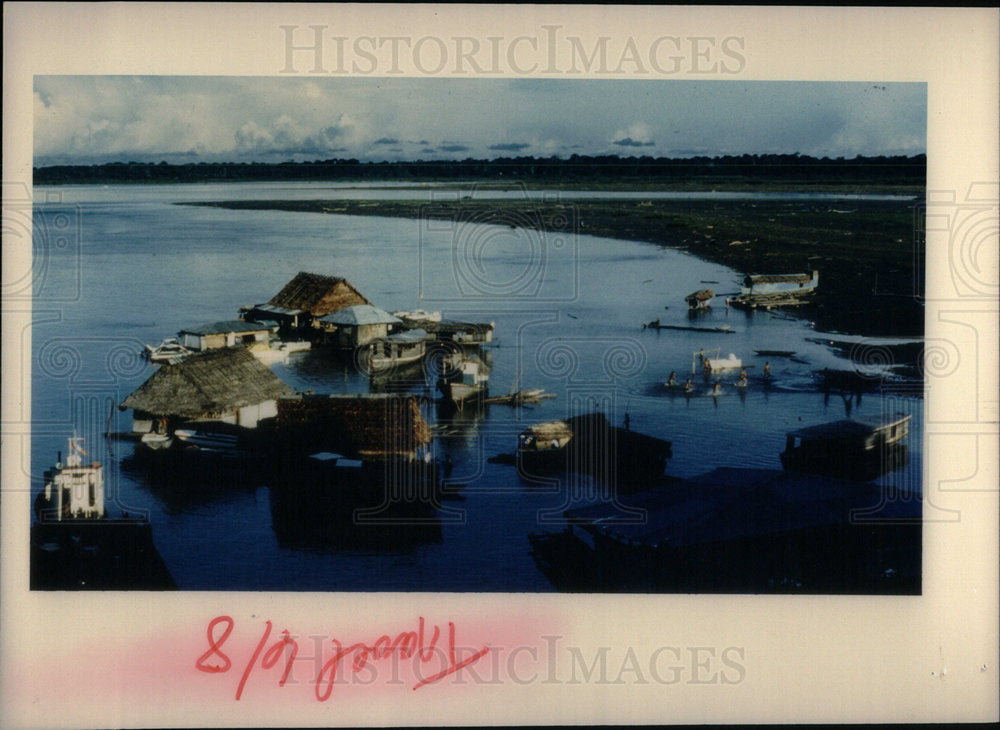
(170, 350)
(714, 364)
(157, 441)
(544, 445)
(464, 380)
(699, 299)
(419, 315)
(295, 346)
(210, 442)
(397, 349)
(589, 444)
(848, 449)
(775, 353)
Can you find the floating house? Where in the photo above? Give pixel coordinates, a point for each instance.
(356, 325)
(228, 385)
(228, 333)
(850, 449)
(772, 290)
(306, 298)
(371, 427)
(741, 530)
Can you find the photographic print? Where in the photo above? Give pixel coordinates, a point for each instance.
(375, 335)
(470, 363)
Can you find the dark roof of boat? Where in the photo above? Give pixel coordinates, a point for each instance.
(734, 503)
(844, 428)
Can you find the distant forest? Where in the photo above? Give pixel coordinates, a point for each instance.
(896, 170)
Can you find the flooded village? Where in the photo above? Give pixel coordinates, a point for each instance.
(373, 430)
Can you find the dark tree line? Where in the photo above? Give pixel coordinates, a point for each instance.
(894, 170)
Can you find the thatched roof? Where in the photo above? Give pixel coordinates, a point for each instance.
(317, 294)
(550, 430)
(205, 383)
(366, 425)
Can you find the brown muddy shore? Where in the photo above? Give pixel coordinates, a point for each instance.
(868, 252)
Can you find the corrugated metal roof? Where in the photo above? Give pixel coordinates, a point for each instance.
(229, 325)
(275, 309)
(361, 314)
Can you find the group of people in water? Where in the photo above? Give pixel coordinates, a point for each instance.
(741, 382)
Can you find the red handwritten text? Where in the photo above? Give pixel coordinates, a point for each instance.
(416, 645)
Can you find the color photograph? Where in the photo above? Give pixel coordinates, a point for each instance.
(483, 335)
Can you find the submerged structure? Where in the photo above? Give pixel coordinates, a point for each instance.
(740, 530)
(850, 449)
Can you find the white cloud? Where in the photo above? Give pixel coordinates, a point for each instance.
(87, 119)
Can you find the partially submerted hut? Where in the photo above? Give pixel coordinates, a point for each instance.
(373, 427)
(228, 385)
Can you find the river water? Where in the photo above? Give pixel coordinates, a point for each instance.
(115, 267)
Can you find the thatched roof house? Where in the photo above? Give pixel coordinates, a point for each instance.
(371, 426)
(317, 294)
(229, 385)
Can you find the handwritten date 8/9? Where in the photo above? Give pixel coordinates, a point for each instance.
(412, 645)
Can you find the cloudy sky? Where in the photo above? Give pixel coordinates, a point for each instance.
(96, 119)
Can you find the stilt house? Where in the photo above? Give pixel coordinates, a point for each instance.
(306, 298)
(228, 385)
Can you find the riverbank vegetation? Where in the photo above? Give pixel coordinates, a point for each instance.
(578, 172)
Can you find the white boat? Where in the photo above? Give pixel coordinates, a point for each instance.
(170, 350)
(714, 364)
(157, 441)
(464, 380)
(73, 489)
(398, 349)
(223, 444)
(419, 315)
